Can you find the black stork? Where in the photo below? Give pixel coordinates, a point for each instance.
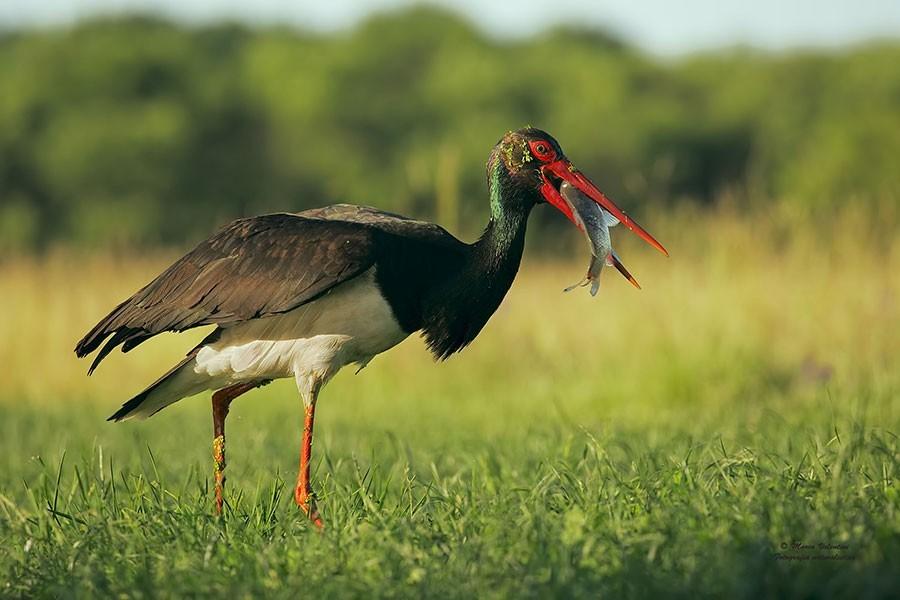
(302, 295)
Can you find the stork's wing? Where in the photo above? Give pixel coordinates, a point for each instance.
(251, 268)
(386, 221)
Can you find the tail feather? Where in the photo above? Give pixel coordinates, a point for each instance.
(180, 382)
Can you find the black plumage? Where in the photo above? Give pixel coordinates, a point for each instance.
(252, 268)
(274, 263)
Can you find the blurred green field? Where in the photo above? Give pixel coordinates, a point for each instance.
(678, 440)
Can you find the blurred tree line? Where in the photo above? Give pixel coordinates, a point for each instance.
(140, 131)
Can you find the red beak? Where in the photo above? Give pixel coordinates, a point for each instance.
(566, 171)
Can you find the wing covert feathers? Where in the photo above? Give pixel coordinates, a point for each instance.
(252, 268)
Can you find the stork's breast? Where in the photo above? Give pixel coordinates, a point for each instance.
(351, 323)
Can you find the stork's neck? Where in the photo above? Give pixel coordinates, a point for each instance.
(499, 249)
(469, 298)
(504, 237)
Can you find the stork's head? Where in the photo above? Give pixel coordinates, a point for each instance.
(528, 165)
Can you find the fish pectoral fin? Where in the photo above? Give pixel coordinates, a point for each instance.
(581, 283)
(608, 219)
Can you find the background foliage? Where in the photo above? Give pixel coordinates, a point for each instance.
(141, 131)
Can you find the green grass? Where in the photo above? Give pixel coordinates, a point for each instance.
(669, 442)
(552, 510)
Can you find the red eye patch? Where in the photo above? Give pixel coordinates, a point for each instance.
(542, 150)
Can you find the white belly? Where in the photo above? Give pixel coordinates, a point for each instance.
(350, 324)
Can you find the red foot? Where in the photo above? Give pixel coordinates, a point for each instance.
(307, 503)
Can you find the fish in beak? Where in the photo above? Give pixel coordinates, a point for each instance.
(594, 222)
(593, 213)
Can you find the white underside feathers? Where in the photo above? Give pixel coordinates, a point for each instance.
(350, 324)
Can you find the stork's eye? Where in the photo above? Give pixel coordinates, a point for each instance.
(542, 150)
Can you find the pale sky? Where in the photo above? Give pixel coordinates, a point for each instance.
(661, 26)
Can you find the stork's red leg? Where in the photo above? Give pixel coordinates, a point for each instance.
(221, 400)
(303, 494)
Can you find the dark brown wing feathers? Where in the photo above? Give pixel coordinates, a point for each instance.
(251, 268)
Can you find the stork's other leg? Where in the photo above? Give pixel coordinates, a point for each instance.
(220, 403)
(303, 494)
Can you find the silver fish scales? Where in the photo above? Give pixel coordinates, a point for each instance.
(594, 222)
